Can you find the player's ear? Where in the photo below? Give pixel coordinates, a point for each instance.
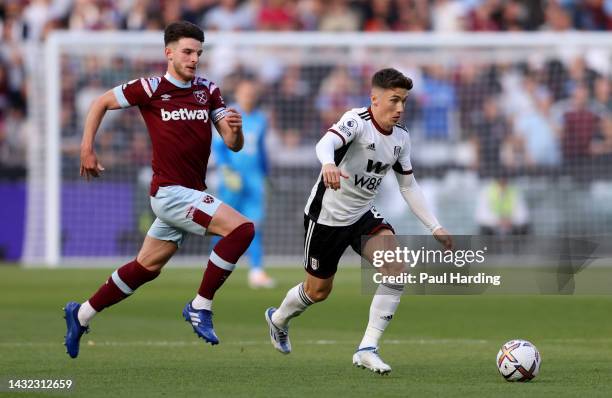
(168, 53)
(374, 98)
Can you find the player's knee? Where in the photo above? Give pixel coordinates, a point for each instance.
(152, 261)
(246, 231)
(149, 265)
(318, 295)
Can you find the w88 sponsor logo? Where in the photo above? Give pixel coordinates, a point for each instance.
(369, 183)
(184, 114)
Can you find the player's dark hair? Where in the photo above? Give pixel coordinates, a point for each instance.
(391, 78)
(180, 29)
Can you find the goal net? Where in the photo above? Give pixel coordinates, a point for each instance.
(528, 112)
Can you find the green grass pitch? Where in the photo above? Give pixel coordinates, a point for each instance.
(439, 346)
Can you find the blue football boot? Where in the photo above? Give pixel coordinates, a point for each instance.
(201, 320)
(74, 330)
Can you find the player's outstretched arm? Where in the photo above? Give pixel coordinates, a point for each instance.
(90, 167)
(413, 195)
(230, 129)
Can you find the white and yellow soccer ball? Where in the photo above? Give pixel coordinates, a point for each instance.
(518, 360)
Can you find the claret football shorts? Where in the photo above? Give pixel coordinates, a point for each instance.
(180, 211)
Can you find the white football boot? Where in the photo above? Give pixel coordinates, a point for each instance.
(368, 358)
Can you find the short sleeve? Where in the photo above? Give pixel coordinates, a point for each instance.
(136, 92)
(217, 105)
(348, 127)
(403, 165)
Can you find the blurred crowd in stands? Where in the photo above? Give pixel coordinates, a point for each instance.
(511, 116)
(516, 117)
(33, 19)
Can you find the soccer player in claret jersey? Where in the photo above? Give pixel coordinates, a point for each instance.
(179, 109)
(356, 153)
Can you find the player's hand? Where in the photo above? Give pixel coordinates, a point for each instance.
(331, 176)
(234, 120)
(90, 167)
(444, 238)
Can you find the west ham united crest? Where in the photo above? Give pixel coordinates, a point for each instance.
(201, 96)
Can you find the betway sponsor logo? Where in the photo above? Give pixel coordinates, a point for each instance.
(184, 114)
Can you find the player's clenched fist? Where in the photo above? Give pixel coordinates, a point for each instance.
(234, 119)
(331, 176)
(90, 167)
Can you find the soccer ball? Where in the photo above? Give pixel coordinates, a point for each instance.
(518, 360)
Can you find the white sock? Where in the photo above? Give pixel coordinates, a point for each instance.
(296, 301)
(86, 313)
(384, 304)
(201, 303)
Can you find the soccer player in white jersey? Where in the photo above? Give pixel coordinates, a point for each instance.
(355, 154)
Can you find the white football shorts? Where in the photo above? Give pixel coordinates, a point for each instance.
(181, 210)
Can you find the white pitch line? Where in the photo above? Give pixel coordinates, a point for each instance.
(178, 343)
(185, 343)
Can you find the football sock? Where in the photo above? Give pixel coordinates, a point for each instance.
(86, 313)
(120, 285)
(223, 259)
(201, 303)
(385, 302)
(296, 301)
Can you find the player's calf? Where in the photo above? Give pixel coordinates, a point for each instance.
(296, 301)
(387, 296)
(383, 307)
(120, 285)
(221, 263)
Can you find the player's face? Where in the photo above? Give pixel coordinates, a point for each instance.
(388, 105)
(184, 56)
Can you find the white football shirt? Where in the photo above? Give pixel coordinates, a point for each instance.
(367, 154)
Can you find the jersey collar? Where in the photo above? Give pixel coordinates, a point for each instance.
(176, 81)
(378, 127)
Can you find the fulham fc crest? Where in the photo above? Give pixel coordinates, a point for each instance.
(201, 96)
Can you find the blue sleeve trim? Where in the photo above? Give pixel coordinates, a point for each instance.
(123, 102)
